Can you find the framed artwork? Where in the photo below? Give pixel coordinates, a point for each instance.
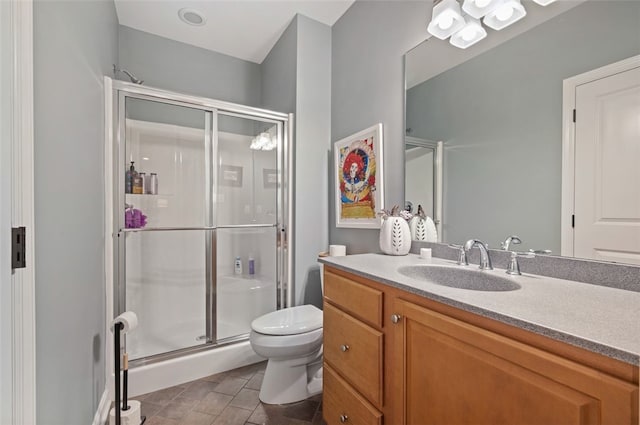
(230, 175)
(358, 177)
(270, 178)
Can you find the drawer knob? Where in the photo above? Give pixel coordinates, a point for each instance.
(344, 418)
(344, 348)
(395, 318)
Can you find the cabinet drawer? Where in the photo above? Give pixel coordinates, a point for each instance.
(360, 300)
(341, 404)
(354, 350)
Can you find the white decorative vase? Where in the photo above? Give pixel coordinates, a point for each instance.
(417, 228)
(395, 237)
(423, 229)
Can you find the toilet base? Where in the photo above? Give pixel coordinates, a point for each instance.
(289, 381)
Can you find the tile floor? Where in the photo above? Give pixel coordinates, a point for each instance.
(229, 398)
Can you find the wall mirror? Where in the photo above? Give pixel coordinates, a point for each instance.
(498, 109)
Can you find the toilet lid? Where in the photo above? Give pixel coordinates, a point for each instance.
(289, 321)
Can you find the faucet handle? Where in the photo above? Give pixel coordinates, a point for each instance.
(462, 254)
(514, 266)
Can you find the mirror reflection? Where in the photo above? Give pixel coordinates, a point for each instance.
(498, 108)
(423, 187)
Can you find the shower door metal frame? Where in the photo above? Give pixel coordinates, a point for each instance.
(212, 109)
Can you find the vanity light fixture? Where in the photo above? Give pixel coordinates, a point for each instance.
(505, 13)
(263, 142)
(478, 8)
(466, 30)
(470, 34)
(446, 20)
(191, 17)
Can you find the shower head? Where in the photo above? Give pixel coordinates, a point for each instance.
(132, 77)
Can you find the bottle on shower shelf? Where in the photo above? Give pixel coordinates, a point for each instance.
(137, 184)
(143, 180)
(252, 266)
(237, 266)
(128, 178)
(153, 184)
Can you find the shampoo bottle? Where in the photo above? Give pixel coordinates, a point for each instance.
(237, 266)
(252, 266)
(128, 178)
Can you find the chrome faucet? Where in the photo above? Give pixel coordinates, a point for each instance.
(510, 240)
(485, 258)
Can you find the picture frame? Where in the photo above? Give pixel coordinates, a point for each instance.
(270, 178)
(358, 176)
(230, 175)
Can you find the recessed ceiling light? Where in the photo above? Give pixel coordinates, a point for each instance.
(192, 17)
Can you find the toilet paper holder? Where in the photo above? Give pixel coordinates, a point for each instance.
(123, 324)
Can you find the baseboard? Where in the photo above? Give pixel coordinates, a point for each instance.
(102, 414)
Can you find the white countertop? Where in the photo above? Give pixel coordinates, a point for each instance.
(598, 318)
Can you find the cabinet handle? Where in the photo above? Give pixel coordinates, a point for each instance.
(344, 418)
(344, 348)
(395, 318)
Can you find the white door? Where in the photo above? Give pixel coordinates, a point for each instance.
(607, 168)
(17, 295)
(6, 391)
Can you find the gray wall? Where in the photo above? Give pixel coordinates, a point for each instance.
(500, 117)
(367, 87)
(312, 147)
(279, 72)
(172, 65)
(296, 77)
(75, 44)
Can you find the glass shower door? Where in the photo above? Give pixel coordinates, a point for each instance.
(166, 223)
(247, 216)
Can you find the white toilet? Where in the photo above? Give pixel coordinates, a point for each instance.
(291, 339)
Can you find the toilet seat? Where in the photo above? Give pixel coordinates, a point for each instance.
(289, 321)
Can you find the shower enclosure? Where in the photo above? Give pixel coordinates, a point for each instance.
(218, 196)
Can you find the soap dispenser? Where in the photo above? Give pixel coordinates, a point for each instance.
(129, 177)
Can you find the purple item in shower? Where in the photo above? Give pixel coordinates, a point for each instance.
(134, 219)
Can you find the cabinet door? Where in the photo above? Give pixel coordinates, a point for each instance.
(450, 372)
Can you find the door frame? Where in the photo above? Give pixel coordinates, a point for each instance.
(21, 406)
(569, 87)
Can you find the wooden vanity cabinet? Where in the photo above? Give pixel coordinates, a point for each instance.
(353, 352)
(442, 365)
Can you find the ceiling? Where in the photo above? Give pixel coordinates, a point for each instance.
(245, 29)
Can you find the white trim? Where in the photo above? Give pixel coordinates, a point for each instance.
(438, 182)
(102, 414)
(23, 280)
(108, 228)
(569, 87)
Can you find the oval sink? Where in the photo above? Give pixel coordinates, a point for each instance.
(462, 278)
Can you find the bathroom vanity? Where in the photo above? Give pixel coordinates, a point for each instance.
(401, 348)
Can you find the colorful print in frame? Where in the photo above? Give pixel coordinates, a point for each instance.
(358, 177)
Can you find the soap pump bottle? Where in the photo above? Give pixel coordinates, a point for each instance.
(237, 266)
(130, 175)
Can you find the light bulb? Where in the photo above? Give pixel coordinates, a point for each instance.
(468, 34)
(504, 13)
(482, 3)
(445, 21)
